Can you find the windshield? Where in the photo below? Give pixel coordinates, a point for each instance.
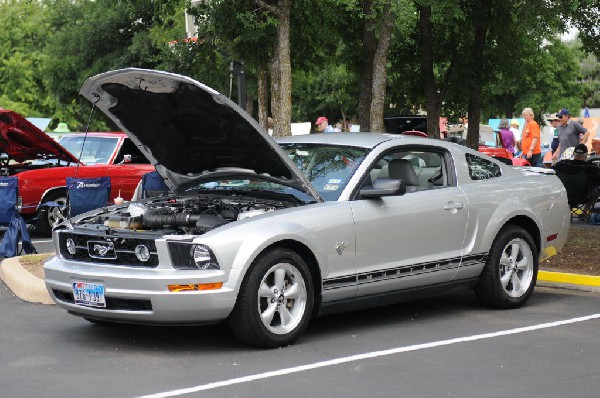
(327, 167)
(97, 150)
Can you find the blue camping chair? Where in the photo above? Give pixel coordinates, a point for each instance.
(85, 194)
(17, 227)
(153, 185)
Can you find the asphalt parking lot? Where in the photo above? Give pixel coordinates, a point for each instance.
(447, 346)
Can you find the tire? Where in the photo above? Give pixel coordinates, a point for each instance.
(52, 216)
(275, 301)
(510, 272)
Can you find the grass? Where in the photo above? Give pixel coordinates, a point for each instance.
(581, 253)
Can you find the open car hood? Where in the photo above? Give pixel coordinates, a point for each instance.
(190, 132)
(22, 140)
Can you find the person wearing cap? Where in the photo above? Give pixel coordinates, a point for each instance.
(531, 138)
(323, 126)
(578, 163)
(568, 133)
(553, 120)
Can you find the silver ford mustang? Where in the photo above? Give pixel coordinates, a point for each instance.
(266, 235)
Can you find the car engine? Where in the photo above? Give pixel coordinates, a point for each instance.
(181, 215)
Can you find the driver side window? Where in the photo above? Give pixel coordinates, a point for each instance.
(420, 169)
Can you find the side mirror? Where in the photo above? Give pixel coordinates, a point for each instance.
(126, 159)
(384, 187)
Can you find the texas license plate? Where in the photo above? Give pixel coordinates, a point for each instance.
(89, 294)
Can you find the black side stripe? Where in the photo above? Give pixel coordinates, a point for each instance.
(404, 271)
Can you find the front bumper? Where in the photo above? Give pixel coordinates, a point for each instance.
(137, 295)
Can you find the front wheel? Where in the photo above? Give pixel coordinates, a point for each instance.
(510, 272)
(53, 215)
(275, 300)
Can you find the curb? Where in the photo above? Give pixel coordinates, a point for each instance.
(23, 284)
(573, 281)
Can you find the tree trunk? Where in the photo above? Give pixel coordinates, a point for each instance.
(366, 79)
(380, 69)
(481, 13)
(432, 97)
(281, 69)
(263, 95)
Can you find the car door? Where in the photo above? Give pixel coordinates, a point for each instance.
(415, 239)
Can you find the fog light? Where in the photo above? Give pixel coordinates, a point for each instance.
(142, 253)
(71, 248)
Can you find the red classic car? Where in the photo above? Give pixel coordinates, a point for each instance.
(42, 165)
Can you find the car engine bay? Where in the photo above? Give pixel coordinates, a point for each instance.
(194, 215)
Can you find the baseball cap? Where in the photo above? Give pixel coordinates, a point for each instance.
(563, 112)
(552, 117)
(580, 149)
(514, 121)
(321, 119)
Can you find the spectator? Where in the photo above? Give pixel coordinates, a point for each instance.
(323, 126)
(579, 163)
(514, 127)
(553, 119)
(568, 133)
(347, 125)
(508, 137)
(530, 138)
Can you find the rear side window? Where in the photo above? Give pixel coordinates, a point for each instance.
(482, 169)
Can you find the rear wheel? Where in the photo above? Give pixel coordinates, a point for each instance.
(51, 216)
(275, 300)
(510, 272)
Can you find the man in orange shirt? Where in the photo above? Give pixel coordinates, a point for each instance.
(530, 138)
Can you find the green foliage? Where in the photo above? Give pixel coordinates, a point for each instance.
(330, 91)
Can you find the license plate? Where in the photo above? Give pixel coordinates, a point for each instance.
(89, 294)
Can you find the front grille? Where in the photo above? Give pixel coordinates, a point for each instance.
(113, 250)
(112, 303)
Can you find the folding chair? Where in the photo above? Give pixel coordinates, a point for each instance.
(17, 228)
(580, 193)
(85, 194)
(153, 185)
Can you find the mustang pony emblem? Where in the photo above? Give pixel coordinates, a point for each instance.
(105, 250)
(101, 249)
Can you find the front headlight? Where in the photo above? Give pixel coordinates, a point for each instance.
(203, 257)
(192, 256)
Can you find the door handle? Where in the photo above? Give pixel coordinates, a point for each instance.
(454, 206)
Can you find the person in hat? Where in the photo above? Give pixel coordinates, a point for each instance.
(578, 163)
(531, 138)
(568, 133)
(323, 126)
(553, 120)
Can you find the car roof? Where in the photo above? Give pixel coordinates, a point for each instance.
(363, 140)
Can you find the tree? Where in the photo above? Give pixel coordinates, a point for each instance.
(102, 35)
(22, 59)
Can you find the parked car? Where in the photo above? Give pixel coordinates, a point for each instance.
(41, 165)
(490, 143)
(317, 224)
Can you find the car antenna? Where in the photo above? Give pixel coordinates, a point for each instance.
(87, 129)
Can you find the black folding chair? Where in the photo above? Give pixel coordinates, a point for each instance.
(581, 194)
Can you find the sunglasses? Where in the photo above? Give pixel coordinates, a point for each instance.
(559, 117)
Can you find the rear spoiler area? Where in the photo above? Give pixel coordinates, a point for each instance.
(530, 170)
